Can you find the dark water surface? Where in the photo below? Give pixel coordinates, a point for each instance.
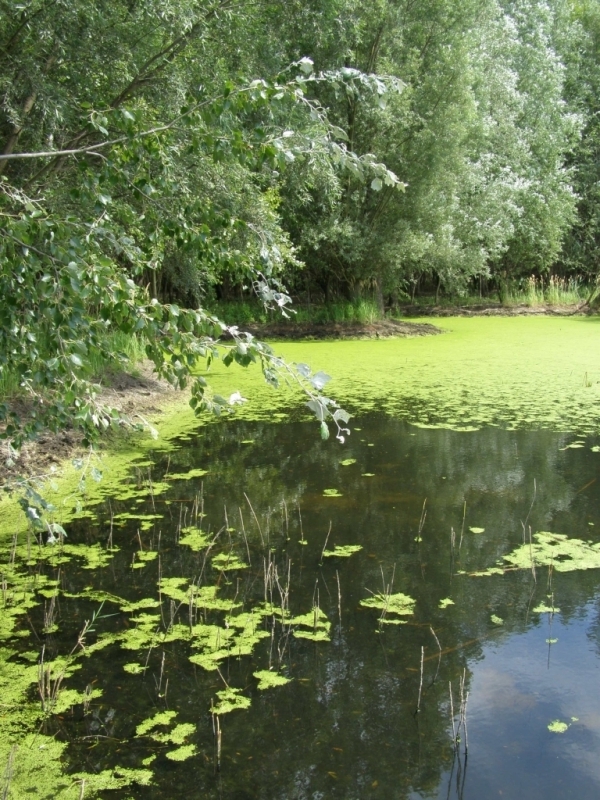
(347, 725)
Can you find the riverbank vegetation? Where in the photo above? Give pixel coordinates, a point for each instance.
(165, 158)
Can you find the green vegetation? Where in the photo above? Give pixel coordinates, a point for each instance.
(342, 551)
(462, 381)
(164, 160)
(550, 550)
(396, 604)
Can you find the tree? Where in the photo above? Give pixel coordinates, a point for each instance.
(121, 173)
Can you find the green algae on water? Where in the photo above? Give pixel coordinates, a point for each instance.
(542, 608)
(194, 538)
(549, 549)
(447, 601)
(186, 476)
(342, 551)
(316, 624)
(557, 726)
(230, 699)
(398, 604)
(228, 562)
(267, 679)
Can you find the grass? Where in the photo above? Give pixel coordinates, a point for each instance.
(533, 291)
(245, 312)
(553, 290)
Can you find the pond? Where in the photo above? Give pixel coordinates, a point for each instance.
(412, 614)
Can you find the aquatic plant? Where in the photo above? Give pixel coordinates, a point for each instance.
(342, 551)
(186, 476)
(194, 538)
(549, 549)
(227, 562)
(267, 679)
(398, 604)
(230, 699)
(316, 622)
(557, 726)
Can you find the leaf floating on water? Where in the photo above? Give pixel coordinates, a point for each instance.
(551, 641)
(342, 551)
(595, 449)
(348, 462)
(368, 475)
(247, 441)
(446, 602)
(476, 530)
(497, 620)
(331, 493)
(267, 679)
(556, 726)
(573, 446)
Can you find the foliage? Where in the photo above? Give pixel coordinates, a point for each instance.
(120, 176)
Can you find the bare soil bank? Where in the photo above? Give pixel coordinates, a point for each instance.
(135, 396)
(380, 329)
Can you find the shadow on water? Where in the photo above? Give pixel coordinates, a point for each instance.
(374, 706)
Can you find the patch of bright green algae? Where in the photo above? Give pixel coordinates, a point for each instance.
(395, 604)
(267, 679)
(549, 549)
(342, 551)
(517, 372)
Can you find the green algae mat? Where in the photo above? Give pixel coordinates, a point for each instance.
(509, 371)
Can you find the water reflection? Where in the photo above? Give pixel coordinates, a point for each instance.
(347, 726)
